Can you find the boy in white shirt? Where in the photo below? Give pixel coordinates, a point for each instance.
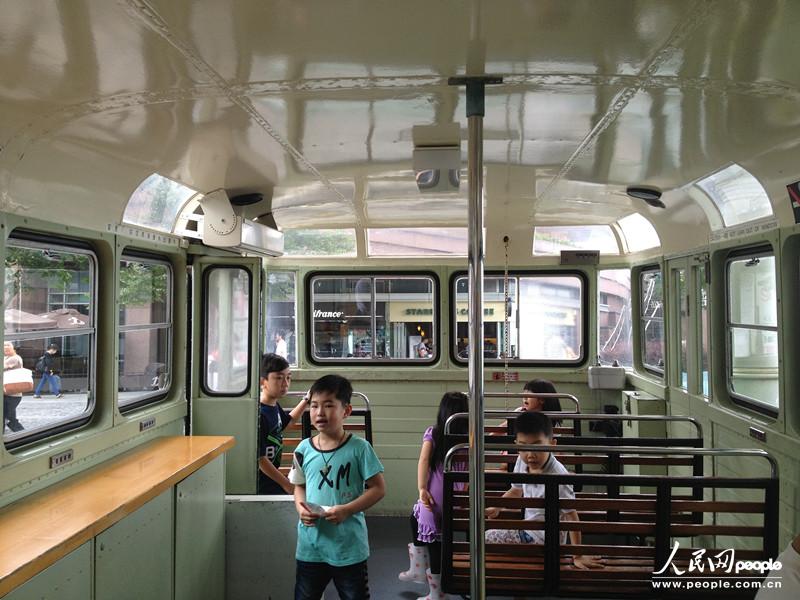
(535, 428)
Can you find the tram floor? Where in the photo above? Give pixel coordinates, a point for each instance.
(388, 539)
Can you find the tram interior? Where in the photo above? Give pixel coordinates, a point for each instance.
(187, 184)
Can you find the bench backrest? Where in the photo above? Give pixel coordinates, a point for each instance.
(635, 532)
(359, 421)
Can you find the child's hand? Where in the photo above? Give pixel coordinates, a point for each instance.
(426, 498)
(307, 517)
(337, 514)
(587, 562)
(492, 512)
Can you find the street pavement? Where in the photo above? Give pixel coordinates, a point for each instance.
(39, 412)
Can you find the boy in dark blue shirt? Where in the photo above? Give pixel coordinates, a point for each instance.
(273, 420)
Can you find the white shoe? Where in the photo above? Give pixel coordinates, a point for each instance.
(434, 587)
(418, 564)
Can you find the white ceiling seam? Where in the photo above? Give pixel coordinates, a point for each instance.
(144, 12)
(691, 21)
(31, 132)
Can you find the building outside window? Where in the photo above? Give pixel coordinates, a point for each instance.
(544, 316)
(373, 318)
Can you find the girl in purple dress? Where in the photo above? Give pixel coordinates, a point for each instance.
(425, 552)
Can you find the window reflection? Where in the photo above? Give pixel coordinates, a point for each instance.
(373, 318)
(281, 328)
(652, 320)
(541, 319)
(49, 296)
(227, 336)
(614, 317)
(752, 329)
(145, 324)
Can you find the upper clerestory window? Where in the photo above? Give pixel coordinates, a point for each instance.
(155, 204)
(639, 233)
(737, 195)
(319, 242)
(417, 241)
(551, 240)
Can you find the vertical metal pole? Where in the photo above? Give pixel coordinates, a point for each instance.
(475, 111)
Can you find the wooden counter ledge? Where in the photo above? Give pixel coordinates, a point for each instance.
(42, 528)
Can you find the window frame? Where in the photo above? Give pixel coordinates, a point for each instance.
(266, 340)
(204, 344)
(373, 275)
(586, 290)
(157, 395)
(44, 241)
(600, 269)
(737, 397)
(652, 369)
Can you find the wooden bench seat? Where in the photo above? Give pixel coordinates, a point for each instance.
(41, 528)
(633, 533)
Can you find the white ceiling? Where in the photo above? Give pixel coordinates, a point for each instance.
(313, 104)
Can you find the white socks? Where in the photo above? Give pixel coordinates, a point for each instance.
(418, 558)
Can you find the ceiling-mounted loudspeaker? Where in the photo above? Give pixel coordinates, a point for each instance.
(223, 228)
(247, 199)
(651, 195)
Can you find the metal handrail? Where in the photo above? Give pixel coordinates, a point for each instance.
(359, 394)
(558, 395)
(622, 450)
(502, 414)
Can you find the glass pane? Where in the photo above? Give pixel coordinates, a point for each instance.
(639, 233)
(705, 328)
(552, 240)
(494, 318)
(341, 317)
(143, 363)
(737, 194)
(144, 289)
(319, 242)
(281, 326)
(61, 368)
(49, 295)
(614, 317)
(754, 365)
(544, 318)
(681, 301)
(404, 319)
(419, 241)
(751, 291)
(156, 202)
(227, 330)
(550, 320)
(652, 307)
(47, 290)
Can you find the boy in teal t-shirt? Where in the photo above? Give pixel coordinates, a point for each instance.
(329, 472)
